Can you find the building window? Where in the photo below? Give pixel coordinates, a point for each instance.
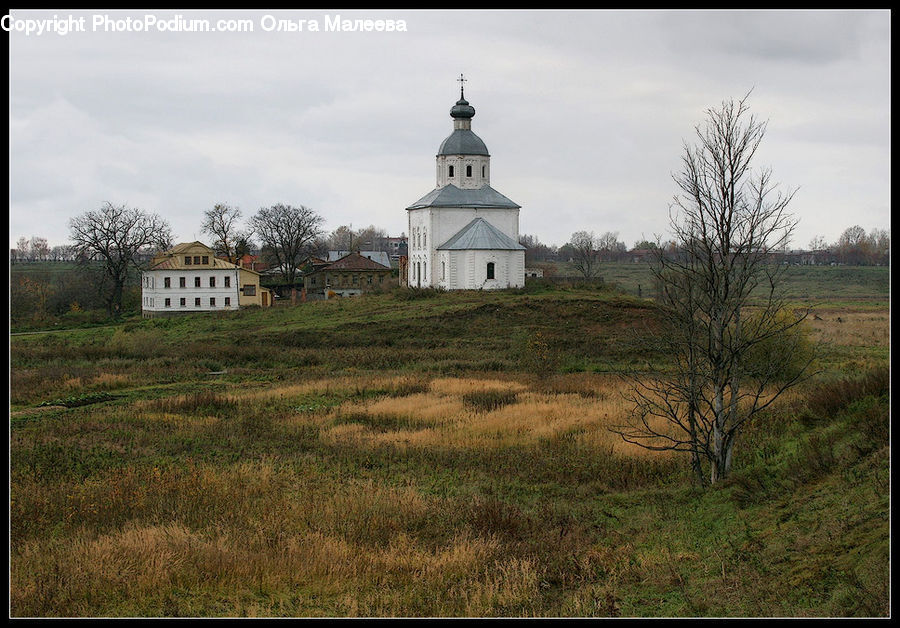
(250, 290)
(212, 302)
(167, 282)
(182, 282)
(197, 302)
(468, 171)
(227, 281)
(443, 275)
(490, 270)
(196, 260)
(450, 172)
(183, 302)
(168, 302)
(212, 282)
(196, 282)
(227, 301)
(483, 169)
(187, 260)
(206, 259)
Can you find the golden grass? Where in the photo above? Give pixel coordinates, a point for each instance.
(849, 328)
(439, 418)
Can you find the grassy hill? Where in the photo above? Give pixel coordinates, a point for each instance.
(428, 454)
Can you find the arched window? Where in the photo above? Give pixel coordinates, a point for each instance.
(483, 170)
(443, 272)
(490, 270)
(468, 171)
(450, 172)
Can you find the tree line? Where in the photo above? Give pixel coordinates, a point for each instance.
(111, 245)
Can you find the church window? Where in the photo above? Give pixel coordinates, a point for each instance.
(490, 270)
(483, 170)
(468, 171)
(443, 273)
(450, 173)
(424, 239)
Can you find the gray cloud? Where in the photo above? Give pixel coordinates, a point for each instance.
(584, 113)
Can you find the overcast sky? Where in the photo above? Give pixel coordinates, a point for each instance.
(584, 113)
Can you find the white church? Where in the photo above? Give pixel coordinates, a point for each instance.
(464, 234)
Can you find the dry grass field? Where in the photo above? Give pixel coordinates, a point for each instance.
(419, 468)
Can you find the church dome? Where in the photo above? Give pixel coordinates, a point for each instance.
(463, 142)
(462, 109)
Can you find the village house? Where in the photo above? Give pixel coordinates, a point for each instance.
(351, 275)
(190, 278)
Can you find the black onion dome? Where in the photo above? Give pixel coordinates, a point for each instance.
(462, 110)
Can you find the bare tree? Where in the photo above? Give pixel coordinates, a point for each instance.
(343, 238)
(286, 233)
(584, 253)
(40, 250)
(23, 249)
(818, 243)
(221, 222)
(115, 236)
(735, 344)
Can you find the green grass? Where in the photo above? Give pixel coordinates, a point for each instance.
(293, 485)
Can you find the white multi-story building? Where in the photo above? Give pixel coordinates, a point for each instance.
(189, 278)
(464, 234)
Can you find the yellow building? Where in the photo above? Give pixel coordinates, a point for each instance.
(189, 278)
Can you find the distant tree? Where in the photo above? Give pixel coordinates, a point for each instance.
(818, 243)
(62, 252)
(372, 238)
(243, 245)
(23, 249)
(343, 238)
(881, 245)
(584, 253)
(642, 245)
(535, 251)
(221, 222)
(114, 236)
(609, 247)
(734, 342)
(286, 232)
(40, 250)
